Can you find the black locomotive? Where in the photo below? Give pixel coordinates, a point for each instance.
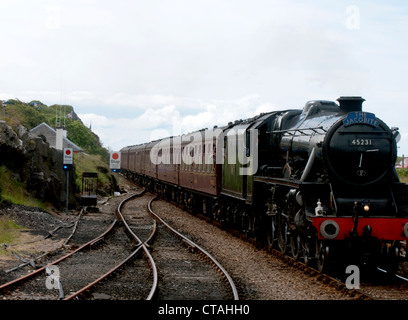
(318, 183)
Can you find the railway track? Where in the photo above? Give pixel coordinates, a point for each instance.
(383, 289)
(327, 279)
(171, 261)
(384, 285)
(19, 282)
(184, 274)
(379, 284)
(126, 285)
(76, 271)
(174, 261)
(191, 273)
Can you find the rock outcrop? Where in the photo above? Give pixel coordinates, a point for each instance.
(36, 164)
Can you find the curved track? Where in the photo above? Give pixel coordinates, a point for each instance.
(196, 248)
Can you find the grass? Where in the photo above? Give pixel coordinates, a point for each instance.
(15, 191)
(8, 232)
(403, 175)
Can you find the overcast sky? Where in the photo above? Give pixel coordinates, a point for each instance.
(139, 70)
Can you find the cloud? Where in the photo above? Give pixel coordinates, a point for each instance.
(119, 132)
(155, 123)
(200, 63)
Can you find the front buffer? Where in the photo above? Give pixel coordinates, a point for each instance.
(368, 242)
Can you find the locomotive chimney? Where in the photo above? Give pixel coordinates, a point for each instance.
(350, 104)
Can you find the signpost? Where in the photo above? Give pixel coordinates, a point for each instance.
(67, 162)
(114, 162)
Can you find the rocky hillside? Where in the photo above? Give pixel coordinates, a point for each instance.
(30, 168)
(33, 113)
(29, 161)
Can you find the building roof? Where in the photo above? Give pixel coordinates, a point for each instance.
(51, 135)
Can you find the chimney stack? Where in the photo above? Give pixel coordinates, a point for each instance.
(61, 134)
(350, 104)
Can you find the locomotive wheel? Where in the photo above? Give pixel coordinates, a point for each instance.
(164, 193)
(271, 231)
(236, 217)
(244, 223)
(215, 210)
(307, 250)
(322, 255)
(179, 197)
(254, 231)
(296, 246)
(391, 257)
(282, 233)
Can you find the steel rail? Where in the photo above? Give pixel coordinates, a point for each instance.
(201, 250)
(155, 274)
(395, 275)
(122, 218)
(142, 244)
(7, 286)
(107, 274)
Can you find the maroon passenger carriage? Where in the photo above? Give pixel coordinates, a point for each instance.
(160, 166)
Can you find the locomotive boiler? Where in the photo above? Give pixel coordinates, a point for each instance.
(318, 182)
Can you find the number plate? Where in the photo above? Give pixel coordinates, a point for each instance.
(361, 142)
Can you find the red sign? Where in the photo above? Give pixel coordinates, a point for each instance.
(115, 160)
(68, 156)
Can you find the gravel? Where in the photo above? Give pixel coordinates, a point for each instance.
(257, 274)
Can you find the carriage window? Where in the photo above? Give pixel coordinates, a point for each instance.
(182, 162)
(200, 156)
(207, 158)
(195, 165)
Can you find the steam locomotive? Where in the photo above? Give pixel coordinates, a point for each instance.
(318, 183)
